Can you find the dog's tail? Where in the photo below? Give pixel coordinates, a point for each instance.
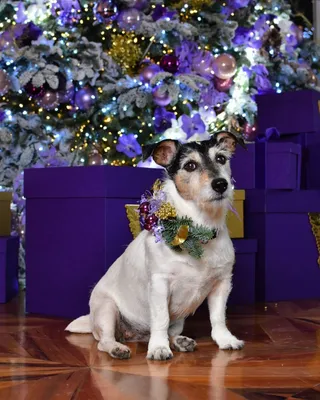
(80, 325)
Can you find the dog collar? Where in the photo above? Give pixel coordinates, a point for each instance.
(159, 217)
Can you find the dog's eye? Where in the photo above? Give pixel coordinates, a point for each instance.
(191, 166)
(221, 159)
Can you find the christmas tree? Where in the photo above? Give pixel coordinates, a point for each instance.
(90, 82)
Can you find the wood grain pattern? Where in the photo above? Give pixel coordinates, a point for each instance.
(281, 360)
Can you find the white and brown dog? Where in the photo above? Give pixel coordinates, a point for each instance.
(150, 290)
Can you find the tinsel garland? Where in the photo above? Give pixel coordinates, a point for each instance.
(126, 51)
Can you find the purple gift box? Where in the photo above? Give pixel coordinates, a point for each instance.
(278, 165)
(287, 261)
(76, 228)
(244, 275)
(296, 115)
(9, 258)
(289, 112)
(243, 167)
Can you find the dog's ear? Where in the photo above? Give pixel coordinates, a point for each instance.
(228, 140)
(163, 152)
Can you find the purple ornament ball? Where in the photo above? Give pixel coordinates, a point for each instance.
(249, 132)
(85, 98)
(149, 72)
(204, 67)
(170, 63)
(223, 85)
(67, 95)
(106, 10)
(34, 91)
(4, 82)
(139, 4)
(160, 98)
(95, 158)
(129, 20)
(49, 100)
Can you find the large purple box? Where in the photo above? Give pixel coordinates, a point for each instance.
(9, 258)
(287, 267)
(77, 226)
(289, 112)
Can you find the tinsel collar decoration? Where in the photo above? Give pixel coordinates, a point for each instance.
(158, 216)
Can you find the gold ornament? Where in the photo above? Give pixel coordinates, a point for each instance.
(181, 235)
(166, 211)
(126, 51)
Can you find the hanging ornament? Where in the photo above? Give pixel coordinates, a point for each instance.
(6, 40)
(170, 63)
(249, 132)
(224, 66)
(204, 66)
(161, 98)
(105, 11)
(34, 91)
(138, 4)
(95, 158)
(129, 20)
(85, 98)
(4, 82)
(67, 95)
(49, 100)
(149, 72)
(223, 85)
(126, 51)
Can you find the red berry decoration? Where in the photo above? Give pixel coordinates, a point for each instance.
(151, 220)
(144, 208)
(147, 227)
(170, 63)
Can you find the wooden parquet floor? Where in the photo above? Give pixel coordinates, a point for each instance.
(281, 360)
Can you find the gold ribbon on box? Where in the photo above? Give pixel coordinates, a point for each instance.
(314, 219)
(133, 217)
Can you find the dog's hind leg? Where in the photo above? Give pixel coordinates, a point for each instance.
(105, 320)
(178, 342)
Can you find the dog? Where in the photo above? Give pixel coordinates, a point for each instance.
(150, 289)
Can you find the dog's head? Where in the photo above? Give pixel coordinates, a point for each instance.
(200, 170)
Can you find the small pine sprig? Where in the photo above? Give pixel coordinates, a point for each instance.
(197, 236)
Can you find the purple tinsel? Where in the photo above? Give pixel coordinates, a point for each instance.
(162, 119)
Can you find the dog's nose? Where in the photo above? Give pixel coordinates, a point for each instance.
(219, 185)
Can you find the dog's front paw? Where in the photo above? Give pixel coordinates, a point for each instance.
(228, 342)
(183, 343)
(115, 349)
(160, 353)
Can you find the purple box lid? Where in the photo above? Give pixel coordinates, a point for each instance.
(276, 201)
(289, 112)
(245, 246)
(93, 181)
